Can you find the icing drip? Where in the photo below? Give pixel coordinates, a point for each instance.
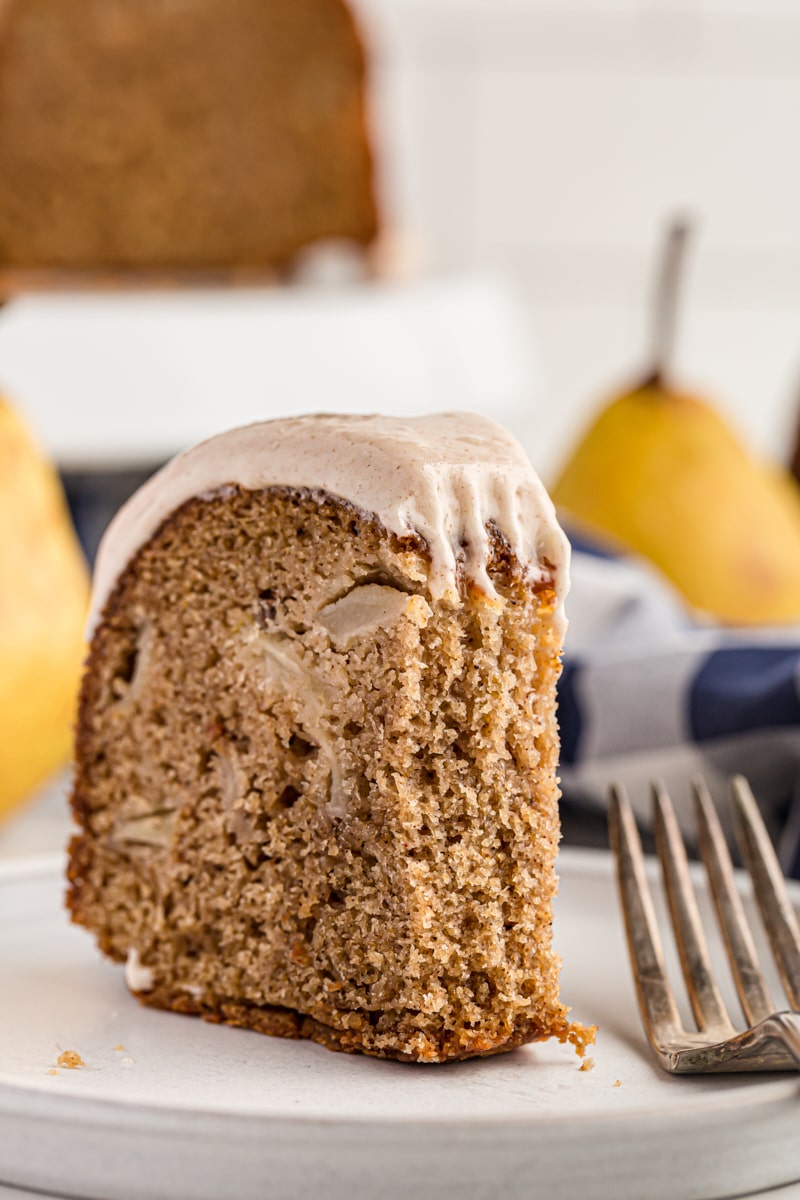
(138, 977)
(444, 477)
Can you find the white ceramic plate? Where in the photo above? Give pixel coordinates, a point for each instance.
(199, 1112)
(131, 378)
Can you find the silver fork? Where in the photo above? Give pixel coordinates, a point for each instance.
(771, 1042)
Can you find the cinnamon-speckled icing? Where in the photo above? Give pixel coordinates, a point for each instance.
(443, 477)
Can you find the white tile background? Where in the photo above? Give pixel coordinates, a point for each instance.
(552, 140)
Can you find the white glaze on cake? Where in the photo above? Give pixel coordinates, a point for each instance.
(443, 477)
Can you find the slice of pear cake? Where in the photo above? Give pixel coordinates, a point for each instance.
(317, 745)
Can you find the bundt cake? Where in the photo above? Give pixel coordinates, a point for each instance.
(172, 135)
(317, 745)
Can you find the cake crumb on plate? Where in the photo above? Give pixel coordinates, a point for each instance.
(587, 1065)
(70, 1059)
(617, 1083)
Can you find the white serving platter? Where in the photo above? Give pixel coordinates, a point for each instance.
(129, 378)
(192, 1111)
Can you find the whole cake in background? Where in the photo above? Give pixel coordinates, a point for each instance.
(179, 134)
(317, 741)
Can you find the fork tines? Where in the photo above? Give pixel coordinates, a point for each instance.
(772, 1040)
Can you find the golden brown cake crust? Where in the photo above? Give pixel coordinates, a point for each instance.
(288, 1023)
(140, 135)
(309, 830)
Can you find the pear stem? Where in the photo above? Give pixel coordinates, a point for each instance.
(665, 305)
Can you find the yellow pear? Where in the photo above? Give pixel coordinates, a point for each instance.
(660, 472)
(43, 604)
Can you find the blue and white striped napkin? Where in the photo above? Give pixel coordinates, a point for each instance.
(649, 692)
